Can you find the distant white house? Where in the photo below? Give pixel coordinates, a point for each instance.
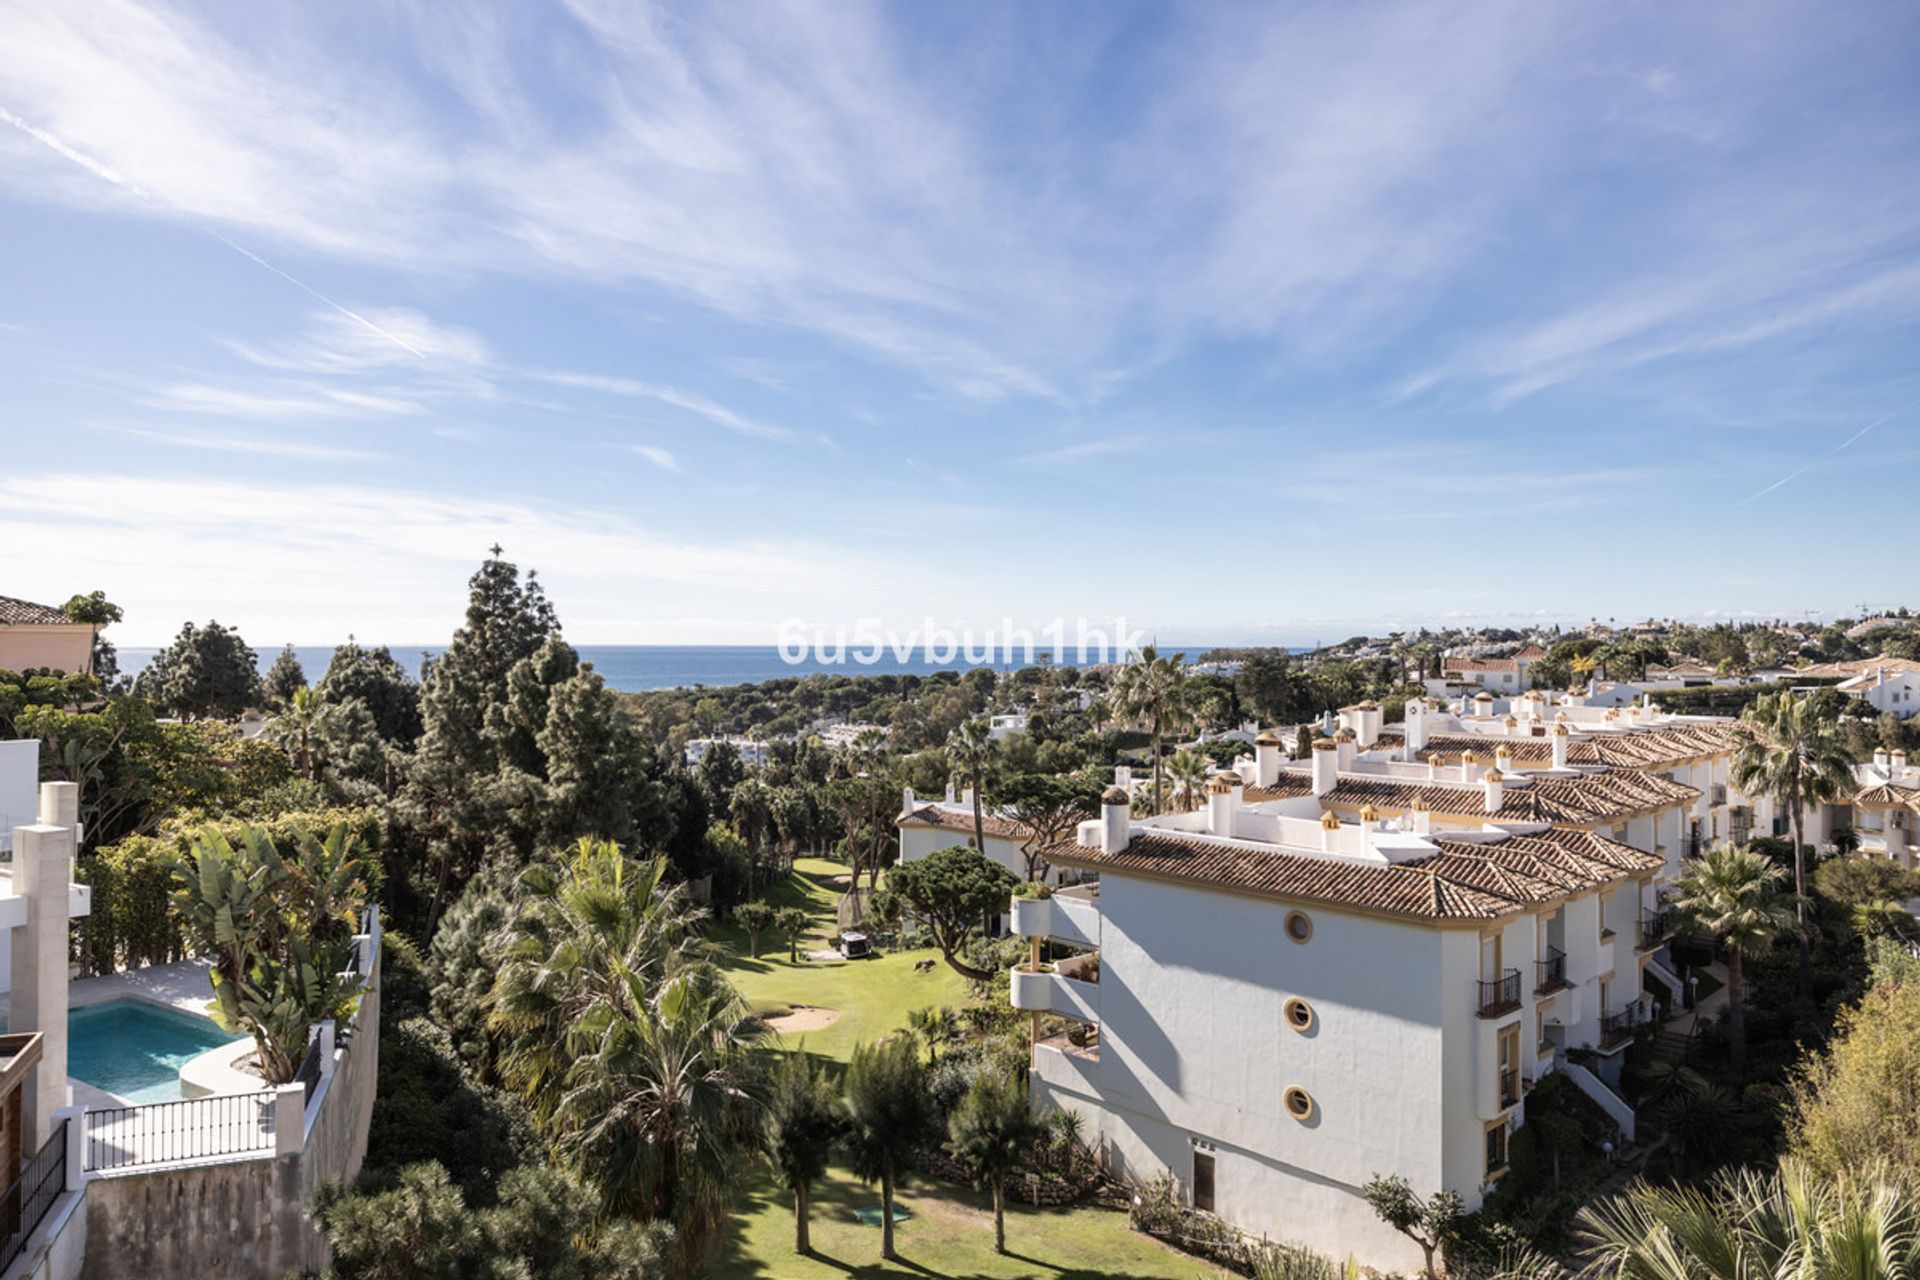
(753, 753)
(1508, 675)
(1001, 727)
(1886, 684)
(846, 734)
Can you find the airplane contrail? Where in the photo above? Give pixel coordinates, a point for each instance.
(106, 174)
(1828, 454)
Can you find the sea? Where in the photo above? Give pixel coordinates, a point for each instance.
(636, 668)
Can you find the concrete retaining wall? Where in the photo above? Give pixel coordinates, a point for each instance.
(241, 1219)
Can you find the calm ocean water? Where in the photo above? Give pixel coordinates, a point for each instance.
(636, 667)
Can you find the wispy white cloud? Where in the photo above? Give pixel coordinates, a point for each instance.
(310, 401)
(692, 402)
(1104, 446)
(285, 555)
(304, 450)
(658, 457)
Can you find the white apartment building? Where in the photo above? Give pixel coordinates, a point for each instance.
(1891, 686)
(1290, 1001)
(928, 826)
(753, 753)
(1496, 675)
(1885, 812)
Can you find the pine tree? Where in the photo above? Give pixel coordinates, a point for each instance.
(284, 678)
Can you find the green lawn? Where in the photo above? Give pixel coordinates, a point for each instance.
(873, 996)
(950, 1234)
(951, 1230)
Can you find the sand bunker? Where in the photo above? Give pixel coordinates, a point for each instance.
(843, 878)
(803, 1017)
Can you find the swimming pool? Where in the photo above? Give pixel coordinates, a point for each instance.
(134, 1049)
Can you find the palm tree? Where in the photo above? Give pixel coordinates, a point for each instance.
(887, 1118)
(630, 1046)
(1152, 691)
(968, 749)
(1188, 771)
(1735, 895)
(804, 1122)
(1863, 1224)
(301, 724)
(991, 1133)
(1792, 753)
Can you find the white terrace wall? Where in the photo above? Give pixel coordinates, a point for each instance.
(243, 1218)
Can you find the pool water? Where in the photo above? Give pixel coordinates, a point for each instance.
(134, 1049)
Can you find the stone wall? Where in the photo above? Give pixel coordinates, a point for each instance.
(241, 1219)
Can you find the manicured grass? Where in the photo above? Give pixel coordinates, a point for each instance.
(950, 1234)
(873, 996)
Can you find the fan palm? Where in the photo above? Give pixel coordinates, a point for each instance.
(804, 1122)
(1735, 895)
(1792, 753)
(1153, 692)
(968, 750)
(1863, 1224)
(1187, 770)
(299, 728)
(887, 1119)
(629, 1045)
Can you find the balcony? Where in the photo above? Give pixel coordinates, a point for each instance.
(1717, 794)
(1550, 975)
(1616, 1029)
(1655, 928)
(1071, 916)
(1050, 988)
(1499, 995)
(1509, 1087)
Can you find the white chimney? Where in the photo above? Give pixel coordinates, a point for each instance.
(1327, 722)
(1116, 826)
(1421, 817)
(1122, 776)
(1882, 765)
(906, 800)
(1329, 828)
(1223, 797)
(1416, 727)
(1897, 763)
(1503, 759)
(1467, 763)
(1266, 760)
(1367, 717)
(1326, 766)
(1343, 740)
(966, 797)
(1559, 736)
(1495, 790)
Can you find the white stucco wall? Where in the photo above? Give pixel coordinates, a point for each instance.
(1195, 1048)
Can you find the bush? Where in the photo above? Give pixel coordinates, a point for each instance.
(133, 922)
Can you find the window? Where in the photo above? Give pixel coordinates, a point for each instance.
(1496, 1148)
(1299, 1014)
(1299, 1102)
(1509, 1039)
(1299, 926)
(1203, 1181)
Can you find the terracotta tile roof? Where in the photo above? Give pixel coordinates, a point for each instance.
(1466, 880)
(936, 815)
(26, 613)
(1858, 667)
(1888, 794)
(1657, 748)
(1591, 799)
(1477, 664)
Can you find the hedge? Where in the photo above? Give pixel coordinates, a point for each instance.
(132, 921)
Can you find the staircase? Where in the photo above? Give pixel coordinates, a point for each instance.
(1673, 1047)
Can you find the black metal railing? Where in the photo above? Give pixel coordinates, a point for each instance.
(1550, 974)
(1509, 1086)
(32, 1194)
(225, 1124)
(309, 1072)
(1497, 995)
(1617, 1028)
(1655, 927)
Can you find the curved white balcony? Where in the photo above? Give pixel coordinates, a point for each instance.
(1071, 916)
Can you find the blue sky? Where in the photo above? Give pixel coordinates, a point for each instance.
(1280, 321)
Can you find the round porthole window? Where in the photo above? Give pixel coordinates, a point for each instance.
(1299, 926)
(1299, 1014)
(1299, 1102)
